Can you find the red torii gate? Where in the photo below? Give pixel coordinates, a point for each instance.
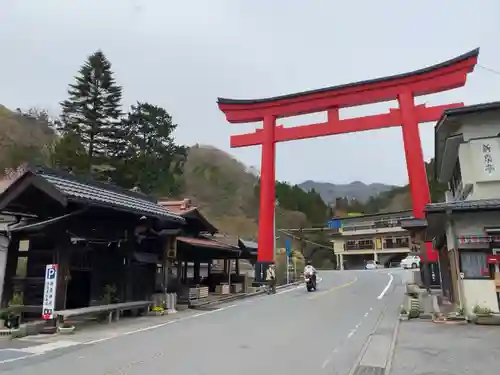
(402, 87)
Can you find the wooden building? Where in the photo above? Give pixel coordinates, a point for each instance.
(109, 243)
(203, 257)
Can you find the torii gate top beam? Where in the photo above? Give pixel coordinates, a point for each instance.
(447, 75)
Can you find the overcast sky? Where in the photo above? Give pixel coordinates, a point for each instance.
(183, 54)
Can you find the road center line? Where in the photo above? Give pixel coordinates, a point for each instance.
(391, 278)
(322, 293)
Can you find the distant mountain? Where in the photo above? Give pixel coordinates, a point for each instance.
(357, 189)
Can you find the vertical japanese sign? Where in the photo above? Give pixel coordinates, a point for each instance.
(49, 293)
(488, 162)
(486, 159)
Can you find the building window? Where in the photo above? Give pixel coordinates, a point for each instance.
(360, 244)
(403, 242)
(396, 242)
(473, 265)
(365, 244)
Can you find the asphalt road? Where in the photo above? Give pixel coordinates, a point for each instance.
(293, 332)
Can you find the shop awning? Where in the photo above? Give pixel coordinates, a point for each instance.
(205, 242)
(204, 249)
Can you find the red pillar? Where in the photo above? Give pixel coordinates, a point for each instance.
(419, 187)
(267, 193)
(417, 175)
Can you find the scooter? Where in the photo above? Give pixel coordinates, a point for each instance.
(310, 282)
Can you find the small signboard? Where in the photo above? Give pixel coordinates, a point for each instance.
(493, 259)
(288, 247)
(49, 292)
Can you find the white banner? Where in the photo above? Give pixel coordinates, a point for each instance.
(49, 293)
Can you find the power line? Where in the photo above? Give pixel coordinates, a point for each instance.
(489, 69)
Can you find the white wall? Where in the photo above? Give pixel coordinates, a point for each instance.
(485, 185)
(477, 130)
(473, 223)
(479, 292)
(4, 243)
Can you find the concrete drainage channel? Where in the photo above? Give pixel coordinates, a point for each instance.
(376, 356)
(210, 305)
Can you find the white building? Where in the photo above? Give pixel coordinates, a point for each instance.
(465, 228)
(376, 237)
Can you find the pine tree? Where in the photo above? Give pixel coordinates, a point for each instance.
(154, 160)
(93, 111)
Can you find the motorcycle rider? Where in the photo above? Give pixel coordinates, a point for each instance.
(271, 278)
(311, 270)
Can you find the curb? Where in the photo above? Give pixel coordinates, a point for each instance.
(388, 363)
(243, 296)
(392, 349)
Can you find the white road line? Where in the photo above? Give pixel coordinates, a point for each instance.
(386, 287)
(38, 350)
(329, 359)
(19, 358)
(351, 333)
(289, 290)
(149, 328)
(366, 314)
(44, 348)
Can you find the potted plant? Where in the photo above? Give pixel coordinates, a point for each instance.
(65, 328)
(480, 311)
(109, 295)
(458, 314)
(158, 311)
(13, 320)
(484, 315)
(403, 313)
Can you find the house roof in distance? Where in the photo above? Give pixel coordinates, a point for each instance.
(190, 213)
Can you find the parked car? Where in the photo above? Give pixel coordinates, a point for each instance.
(373, 265)
(411, 261)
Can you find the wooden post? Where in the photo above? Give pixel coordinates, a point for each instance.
(10, 270)
(196, 271)
(63, 255)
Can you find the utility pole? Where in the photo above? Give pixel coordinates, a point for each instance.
(276, 204)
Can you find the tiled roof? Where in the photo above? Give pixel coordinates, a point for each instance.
(248, 244)
(482, 204)
(205, 242)
(177, 207)
(412, 222)
(105, 194)
(189, 213)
